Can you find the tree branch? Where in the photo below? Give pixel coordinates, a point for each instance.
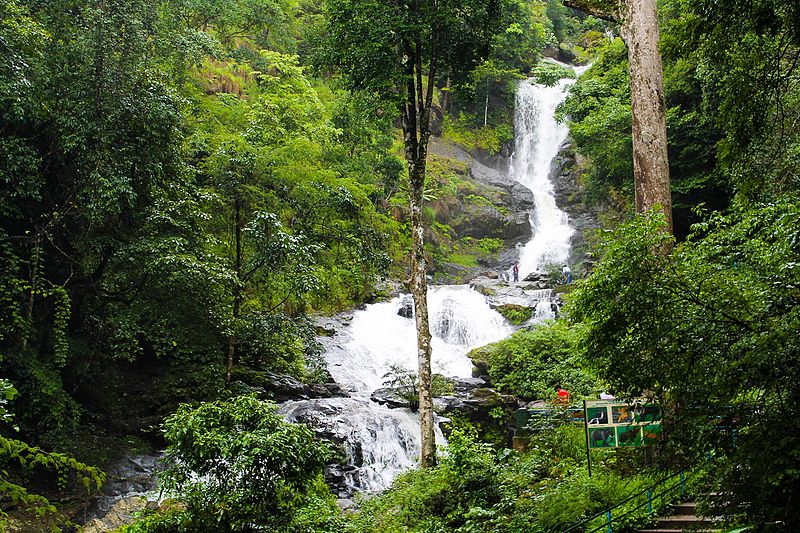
(603, 9)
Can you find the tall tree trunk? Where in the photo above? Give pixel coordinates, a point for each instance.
(649, 125)
(419, 291)
(486, 105)
(639, 27)
(416, 133)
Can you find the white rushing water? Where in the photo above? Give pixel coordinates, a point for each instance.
(460, 320)
(538, 138)
(380, 442)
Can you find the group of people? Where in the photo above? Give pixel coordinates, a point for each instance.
(567, 273)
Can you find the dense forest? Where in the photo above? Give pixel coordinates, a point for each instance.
(186, 185)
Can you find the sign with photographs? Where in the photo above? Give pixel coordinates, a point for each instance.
(611, 424)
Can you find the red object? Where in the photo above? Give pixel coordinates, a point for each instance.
(563, 396)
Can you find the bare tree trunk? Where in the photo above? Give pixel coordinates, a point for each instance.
(486, 105)
(416, 133)
(650, 160)
(419, 291)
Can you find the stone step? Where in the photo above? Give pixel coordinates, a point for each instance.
(688, 508)
(684, 521)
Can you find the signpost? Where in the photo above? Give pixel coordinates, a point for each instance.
(611, 424)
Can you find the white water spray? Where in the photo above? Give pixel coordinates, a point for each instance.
(460, 320)
(538, 138)
(381, 442)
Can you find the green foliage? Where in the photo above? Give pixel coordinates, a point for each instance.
(236, 464)
(598, 110)
(519, 44)
(516, 314)
(549, 74)
(463, 132)
(405, 383)
(710, 330)
(531, 362)
(475, 489)
(19, 461)
(438, 498)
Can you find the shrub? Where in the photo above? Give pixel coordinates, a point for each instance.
(238, 465)
(530, 362)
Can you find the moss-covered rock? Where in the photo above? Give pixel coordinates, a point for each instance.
(516, 314)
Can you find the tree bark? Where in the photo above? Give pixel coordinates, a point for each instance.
(416, 133)
(649, 125)
(419, 291)
(639, 28)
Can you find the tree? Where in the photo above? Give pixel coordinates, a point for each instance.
(639, 28)
(400, 49)
(711, 329)
(236, 463)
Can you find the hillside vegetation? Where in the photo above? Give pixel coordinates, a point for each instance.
(183, 183)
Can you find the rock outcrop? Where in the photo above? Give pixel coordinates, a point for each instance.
(569, 198)
(479, 202)
(283, 387)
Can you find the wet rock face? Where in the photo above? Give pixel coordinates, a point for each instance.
(569, 197)
(484, 204)
(501, 293)
(130, 488)
(283, 387)
(505, 213)
(122, 513)
(390, 397)
(407, 308)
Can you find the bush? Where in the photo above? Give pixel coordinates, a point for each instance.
(238, 465)
(530, 362)
(549, 74)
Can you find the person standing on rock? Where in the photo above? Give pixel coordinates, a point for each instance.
(515, 270)
(567, 274)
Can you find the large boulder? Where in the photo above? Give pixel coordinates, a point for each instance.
(480, 406)
(283, 387)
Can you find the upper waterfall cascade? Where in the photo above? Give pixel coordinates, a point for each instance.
(538, 139)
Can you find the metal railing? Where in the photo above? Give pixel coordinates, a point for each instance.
(649, 495)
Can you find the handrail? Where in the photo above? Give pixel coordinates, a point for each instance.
(607, 512)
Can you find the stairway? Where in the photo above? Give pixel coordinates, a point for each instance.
(683, 518)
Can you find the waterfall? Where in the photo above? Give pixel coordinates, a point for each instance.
(460, 319)
(538, 138)
(380, 442)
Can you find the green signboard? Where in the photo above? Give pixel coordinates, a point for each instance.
(611, 424)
